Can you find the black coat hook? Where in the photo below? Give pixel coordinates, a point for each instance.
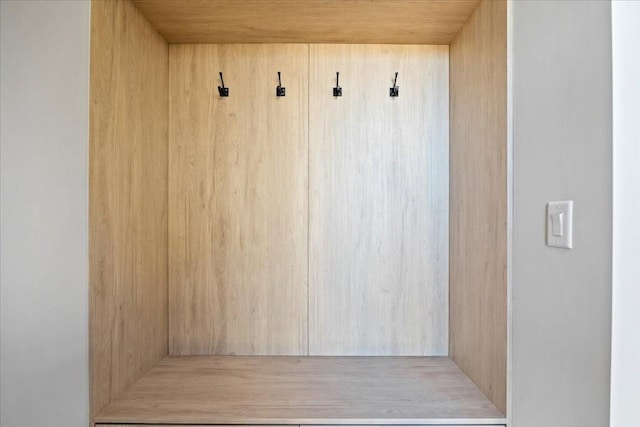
(223, 91)
(394, 91)
(337, 91)
(280, 91)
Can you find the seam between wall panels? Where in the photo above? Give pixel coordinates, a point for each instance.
(308, 197)
(169, 50)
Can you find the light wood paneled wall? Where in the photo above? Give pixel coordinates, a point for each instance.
(238, 200)
(378, 222)
(127, 199)
(478, 251)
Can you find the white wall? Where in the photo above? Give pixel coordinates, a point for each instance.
(44, 267)
(625, 362)
(562, 135)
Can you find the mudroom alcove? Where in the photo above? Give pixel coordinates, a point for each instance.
(330, 253)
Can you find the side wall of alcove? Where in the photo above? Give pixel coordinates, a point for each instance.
(479, 201)
(127, 199)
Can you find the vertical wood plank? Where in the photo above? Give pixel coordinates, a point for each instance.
(379, 201)
(127, 199)
(478, 251)
(238, 200)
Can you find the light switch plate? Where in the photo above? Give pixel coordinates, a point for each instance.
(560, 224)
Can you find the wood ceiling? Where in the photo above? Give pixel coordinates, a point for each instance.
(308, 21)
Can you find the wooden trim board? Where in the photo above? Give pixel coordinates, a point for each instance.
(303, 390)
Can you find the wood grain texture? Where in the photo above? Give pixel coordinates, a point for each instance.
(478, 251)
(238, 200)
(379, 176)
(127, 199)
(308, 21)
(303, 390)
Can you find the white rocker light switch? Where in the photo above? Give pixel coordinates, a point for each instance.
(560, 224)
(556, 223)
